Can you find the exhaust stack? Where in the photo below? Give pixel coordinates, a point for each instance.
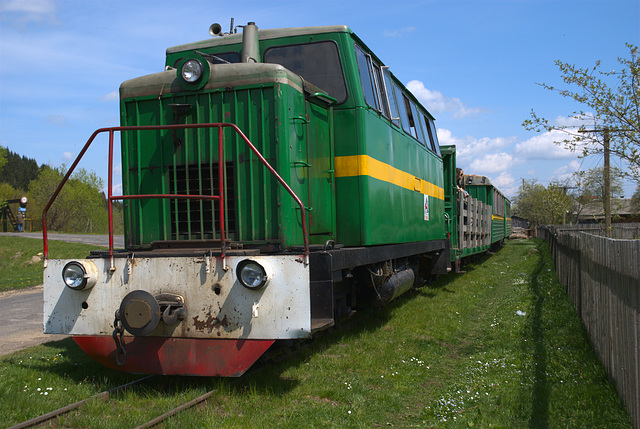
(250, 44)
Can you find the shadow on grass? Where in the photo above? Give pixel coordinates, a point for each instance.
(540, 394)
(79, 367)
(66, 360)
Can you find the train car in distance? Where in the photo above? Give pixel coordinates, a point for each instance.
(274, 182)
(478, 214)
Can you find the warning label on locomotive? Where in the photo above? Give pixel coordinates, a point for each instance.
(426, 207)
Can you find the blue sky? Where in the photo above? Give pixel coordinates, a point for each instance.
(473, 64)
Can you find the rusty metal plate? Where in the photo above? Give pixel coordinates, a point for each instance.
(216, 304)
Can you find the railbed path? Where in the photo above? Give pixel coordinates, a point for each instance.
(21, 310)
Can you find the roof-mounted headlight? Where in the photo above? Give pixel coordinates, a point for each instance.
(80, 275)
(191, 71)
(251, 274)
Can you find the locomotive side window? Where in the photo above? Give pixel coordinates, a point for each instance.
(416, 124)
(410, 116)
(433, 137)
(402, 107)
(382, 93)
(367, 79)
(319, 63)
(390, 96)
(432, 144)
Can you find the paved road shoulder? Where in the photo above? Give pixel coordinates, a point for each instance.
(21, 314)
(21, 320)
(95, 239)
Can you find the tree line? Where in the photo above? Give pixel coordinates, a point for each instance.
(563, 202)
(81, 206)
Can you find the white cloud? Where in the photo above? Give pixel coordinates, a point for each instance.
(492, 163)
(468, 148)
(445, 137)
(485, 156)
(113, 95)
(21, 12)
(506, 183)
(116, 189)
(542, 146)
(399, 32)
(57, 121)
(436, 102)
(566, 171)
(504, 180)
(68, 157)
(565, 121)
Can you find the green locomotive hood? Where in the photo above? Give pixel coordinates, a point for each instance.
(220, 76)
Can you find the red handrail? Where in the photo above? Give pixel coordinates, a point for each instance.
(112, 198)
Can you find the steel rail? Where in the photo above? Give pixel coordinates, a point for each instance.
(56, 413)
(221, 177)
(165, 416)
(202, 398)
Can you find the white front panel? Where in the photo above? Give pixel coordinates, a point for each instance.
(281, 309)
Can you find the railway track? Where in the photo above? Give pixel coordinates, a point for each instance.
(280, 353)
(104, 396)
(40, 420)
(48, 417)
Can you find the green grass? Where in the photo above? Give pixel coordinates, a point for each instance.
(456, 354)
(21, 259)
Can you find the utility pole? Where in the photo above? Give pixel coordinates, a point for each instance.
(607, 182)
(607, 174)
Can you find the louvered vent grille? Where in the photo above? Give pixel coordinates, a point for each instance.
(198, 219)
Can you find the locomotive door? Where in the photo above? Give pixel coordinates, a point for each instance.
(320, 165)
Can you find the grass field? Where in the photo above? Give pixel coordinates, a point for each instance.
(498, 346)
(21, 259)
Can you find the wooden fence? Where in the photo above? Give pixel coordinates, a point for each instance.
(602, 277)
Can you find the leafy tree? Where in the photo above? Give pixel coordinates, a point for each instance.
(591, 183)
(590, 188)
(18, 171)
(542, 205)
(80, 206)
(615, 107)
(3, 161)
(7, 192)
(3, 157)
(635, 200)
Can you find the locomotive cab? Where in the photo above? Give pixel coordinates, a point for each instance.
(269, 177)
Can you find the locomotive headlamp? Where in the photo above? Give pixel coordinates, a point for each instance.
(191, 71)
(251, 274)
(80, 275)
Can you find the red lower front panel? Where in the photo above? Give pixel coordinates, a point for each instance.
(177, 356)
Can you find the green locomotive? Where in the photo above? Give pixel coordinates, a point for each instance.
(272, 179)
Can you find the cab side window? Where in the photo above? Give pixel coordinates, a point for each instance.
(433, 136)
(367, 78)
(389, 98)
(318, 63)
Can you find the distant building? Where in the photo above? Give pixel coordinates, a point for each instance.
(518, 222)
(621, 212)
